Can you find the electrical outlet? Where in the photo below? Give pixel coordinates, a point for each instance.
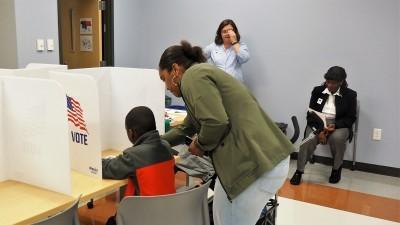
(377, 134)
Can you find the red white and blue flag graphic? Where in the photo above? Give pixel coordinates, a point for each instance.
(75, 114)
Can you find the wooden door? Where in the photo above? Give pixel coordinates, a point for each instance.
(80, 33)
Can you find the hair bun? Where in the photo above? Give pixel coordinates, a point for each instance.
(193, 53)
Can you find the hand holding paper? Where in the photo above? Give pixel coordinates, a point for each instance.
(319, 116)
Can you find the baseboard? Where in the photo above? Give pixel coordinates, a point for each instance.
(365, 167)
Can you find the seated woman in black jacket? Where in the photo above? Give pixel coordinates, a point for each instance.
(338, 104)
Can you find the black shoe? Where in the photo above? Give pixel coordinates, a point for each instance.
(296, 179)
(335, 175)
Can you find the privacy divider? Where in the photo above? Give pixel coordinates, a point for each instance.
(119, 90)
(34, 145)
(95, 102)
(82, 103)
(82, 113)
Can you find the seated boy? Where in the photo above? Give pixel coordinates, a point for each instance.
(148, 164)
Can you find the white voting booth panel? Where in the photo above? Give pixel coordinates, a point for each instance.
(131, 88)
(104, 93)
(34, 144)
(3, 159)
(83, 120)
(44, 65)
(6, 72)
(120, 90)
(36, 70)
(83, 130)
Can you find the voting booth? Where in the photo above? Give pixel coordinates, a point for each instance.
(93, 102)
(119, 90)
(82, 114)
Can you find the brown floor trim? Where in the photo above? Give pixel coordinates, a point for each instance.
(365, 167)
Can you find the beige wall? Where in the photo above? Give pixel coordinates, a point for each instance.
(8, 43)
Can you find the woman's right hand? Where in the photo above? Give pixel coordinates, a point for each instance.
(232, 36)
(194, 149)
(322, 138)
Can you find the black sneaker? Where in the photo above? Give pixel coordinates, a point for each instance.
(335, 176)
(296, 179)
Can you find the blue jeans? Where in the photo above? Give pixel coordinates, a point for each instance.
(245, 208)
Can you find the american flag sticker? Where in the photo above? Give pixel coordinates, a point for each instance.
(75, 114)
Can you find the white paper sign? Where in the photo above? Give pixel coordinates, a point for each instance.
(85, 25)
(86, 43)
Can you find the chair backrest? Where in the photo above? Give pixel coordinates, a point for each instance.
(183, 208)
(354, 128)
(66, 217)
(155, 179)
(355, 125)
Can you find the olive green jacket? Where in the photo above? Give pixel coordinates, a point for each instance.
(232, 127)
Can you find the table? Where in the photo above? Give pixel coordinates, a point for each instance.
(21, 203)
(176, 116)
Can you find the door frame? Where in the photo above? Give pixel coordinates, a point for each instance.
(107, 30)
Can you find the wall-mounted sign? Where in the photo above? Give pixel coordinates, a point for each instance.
(86, 25)
(86, 43)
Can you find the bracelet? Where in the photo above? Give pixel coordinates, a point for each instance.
(234, 43)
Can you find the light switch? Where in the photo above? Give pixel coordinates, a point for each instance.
(377, 134)
(50, 45)
(40, 45)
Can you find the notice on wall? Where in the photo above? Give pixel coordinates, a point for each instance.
(86, 25)
(86, 43)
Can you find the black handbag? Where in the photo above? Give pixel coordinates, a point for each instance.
(268, 215)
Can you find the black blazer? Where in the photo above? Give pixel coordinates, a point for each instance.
(346, 105)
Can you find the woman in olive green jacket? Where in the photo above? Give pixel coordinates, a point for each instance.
(248, 151)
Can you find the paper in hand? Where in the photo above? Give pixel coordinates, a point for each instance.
(319, 118)
(109, 157)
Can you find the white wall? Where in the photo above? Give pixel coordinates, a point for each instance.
(127, 26)
(292, 44)
(8, 44)
(398, 73)
(34, 20)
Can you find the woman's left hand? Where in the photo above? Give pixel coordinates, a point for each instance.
(194, 149)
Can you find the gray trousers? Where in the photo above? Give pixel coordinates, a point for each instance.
(336, 141)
